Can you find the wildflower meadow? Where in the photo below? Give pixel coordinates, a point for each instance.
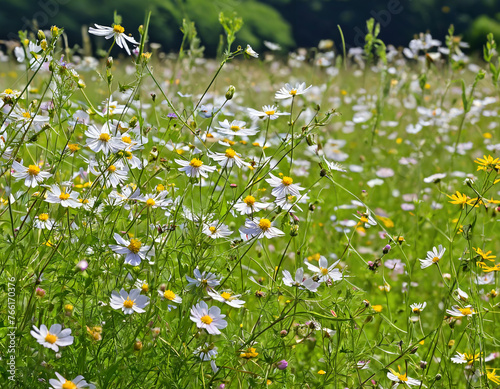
(325, 218)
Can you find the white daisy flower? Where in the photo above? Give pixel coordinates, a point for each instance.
(134, 250)
(205, 280)
(291, 91)
(43, 222)
(170, 296)
(111, 107)
(268, 111)
(53, 338)
(325, 272)
(461, 295)
(129, 303)
(249, 205)
(226, 297)
(456, 311)
(216, 230)
(99, 139)
(116, 174)
(259, 228)
(27, 117)
(251, 52)
(155, 200)
(236, 128)
(66, 199)
(228, 159)
(300, 281)
(394, 376)
(208, 318)
(469, 359)
(283, 186)
(206, 352)
(76, 383)
(32, 175)
(366, 219)
(334, 166)
(416, 308)
(195, 168)
(433, 257)
(117, 32)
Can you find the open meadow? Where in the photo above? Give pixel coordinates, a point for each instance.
(259, 220)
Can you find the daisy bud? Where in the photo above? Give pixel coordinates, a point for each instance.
(233, 185)
(282, 365)
(312, 207)
(68, 309)
(260, 293)
(54, 30)
(138, 345)
(451, 343)
(82, 265)
(155, 331)
(109, 62)
(386, 249)
(294, 230)
(230, 92)
(322, 173)
(423, 364)
(163, 287)
(222, 386)
(153, 96)
(40, 292)
(41, 35)
(310, 140)
(414, 350)
(133, 121)
(283, 333)
(438, 377)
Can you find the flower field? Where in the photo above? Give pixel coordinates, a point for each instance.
(260, 220)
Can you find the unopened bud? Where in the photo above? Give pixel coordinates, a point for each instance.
(386, 249)
(283, 333)
(109, 62)
(322, 173)
(41, 35)
(438, 377)
(137, 345)
(230, 92)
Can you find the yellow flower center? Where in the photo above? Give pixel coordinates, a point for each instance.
(249, 200)
(64, 196)
(466, 311)
(112, 168)
(287, 181)
(135, 245)
(324, 270)
(435, 259)
(83, 201)
(128, 303)
(104, 137)
(160, 188)
(43, 217)
(416, 310)
(293, 92)
(26, 115)
(230, 153)
(145, 287)
(50, 338)
(150, 202)
(363, 219)
(403, 377)
(206, 319)
(195, 162)
(73, 147)
(7, 91)
(271, 112)
(69, 385)
(235, 128)
(212, 229)
(169, 295)
(33, 170)
(126, 139)
(226, 295)
(118, 29)
(264, 224)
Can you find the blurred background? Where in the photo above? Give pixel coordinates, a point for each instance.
(290, 23)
